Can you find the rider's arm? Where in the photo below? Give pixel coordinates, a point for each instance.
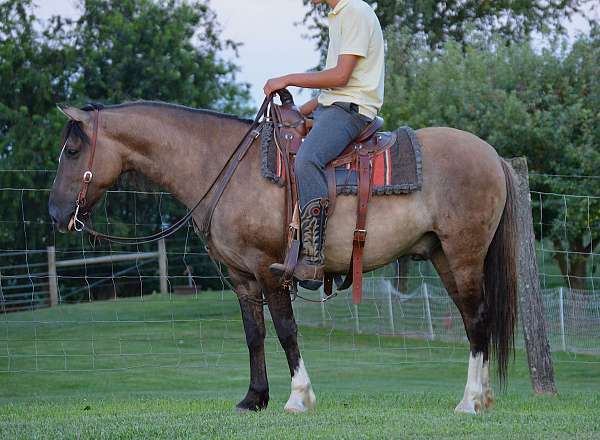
(326, 79)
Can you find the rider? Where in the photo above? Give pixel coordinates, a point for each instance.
(350, 98)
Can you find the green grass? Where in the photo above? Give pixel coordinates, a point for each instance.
(175, 368)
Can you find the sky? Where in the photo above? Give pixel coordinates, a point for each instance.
(263, 56)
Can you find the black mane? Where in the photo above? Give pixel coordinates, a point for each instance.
(73, 128)
(97, 106)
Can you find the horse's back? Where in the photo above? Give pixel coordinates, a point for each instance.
(463, 190)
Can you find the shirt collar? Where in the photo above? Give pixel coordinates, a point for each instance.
(339, 7)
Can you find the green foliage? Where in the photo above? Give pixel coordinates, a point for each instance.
(135, 49)
(543, 104)
(440, 20)
(165, 50)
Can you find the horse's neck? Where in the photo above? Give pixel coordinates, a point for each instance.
(187, 157)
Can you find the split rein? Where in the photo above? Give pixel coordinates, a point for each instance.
(220, 182)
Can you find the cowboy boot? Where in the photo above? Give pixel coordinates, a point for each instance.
(313, 223)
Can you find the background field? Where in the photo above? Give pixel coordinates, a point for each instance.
(196, 371)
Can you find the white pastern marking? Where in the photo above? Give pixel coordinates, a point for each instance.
(488, 396)
(472, 401)
(302, 397)
(485, 376)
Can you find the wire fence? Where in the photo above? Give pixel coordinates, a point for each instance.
(115, 315)
(427, 312)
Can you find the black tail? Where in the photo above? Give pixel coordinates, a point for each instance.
(501, 280)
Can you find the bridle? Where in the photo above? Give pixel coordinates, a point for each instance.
(219, 184)
(87, 175)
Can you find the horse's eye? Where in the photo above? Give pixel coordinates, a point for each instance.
(72, 152)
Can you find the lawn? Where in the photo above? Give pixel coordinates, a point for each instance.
(170, 368)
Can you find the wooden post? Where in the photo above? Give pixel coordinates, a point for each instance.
(162, 266)
(52, 277)
(541, 369)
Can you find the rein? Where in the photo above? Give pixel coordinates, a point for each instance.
(220, 183)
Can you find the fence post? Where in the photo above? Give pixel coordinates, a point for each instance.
(428, 311)
(162, 266)
(323, 312)
(391, 309)
(52, 277)
(562, 319)
(541, 369)
(356, 322)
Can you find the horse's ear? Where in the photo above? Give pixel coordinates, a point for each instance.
(75, 114)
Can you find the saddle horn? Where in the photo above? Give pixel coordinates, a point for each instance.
(285, 96)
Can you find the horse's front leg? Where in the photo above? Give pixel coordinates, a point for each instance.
(302, 397)
(250, 297)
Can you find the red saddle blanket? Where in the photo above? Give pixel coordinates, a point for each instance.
(396, 170)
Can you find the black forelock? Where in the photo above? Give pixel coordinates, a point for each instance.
(73, 128)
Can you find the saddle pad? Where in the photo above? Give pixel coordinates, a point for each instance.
(397, 170)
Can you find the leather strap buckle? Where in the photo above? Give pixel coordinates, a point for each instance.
(360, 236)
(87, 177)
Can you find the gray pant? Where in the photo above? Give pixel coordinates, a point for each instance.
(334, 128)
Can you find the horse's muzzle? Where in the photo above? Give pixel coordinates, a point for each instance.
(62, 218)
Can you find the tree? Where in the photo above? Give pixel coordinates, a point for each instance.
(543, 104)
(439, 21)
(167, 50)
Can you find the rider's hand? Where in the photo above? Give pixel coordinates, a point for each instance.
(275, 84)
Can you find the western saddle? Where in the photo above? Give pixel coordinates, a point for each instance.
(290, 129)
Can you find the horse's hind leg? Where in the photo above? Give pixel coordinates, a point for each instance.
(465, 287)
(249, 295)
(302, 397)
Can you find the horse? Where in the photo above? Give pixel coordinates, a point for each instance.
(463, 221)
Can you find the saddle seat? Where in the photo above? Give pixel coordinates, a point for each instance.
(292, 127)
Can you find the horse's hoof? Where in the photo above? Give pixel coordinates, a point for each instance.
(253, 402)
(245, 408)
(471, 407)
(301, 401)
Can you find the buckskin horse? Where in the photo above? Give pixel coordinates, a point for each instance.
(463, 221)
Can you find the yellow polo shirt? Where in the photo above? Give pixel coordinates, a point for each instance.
(354, 29)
